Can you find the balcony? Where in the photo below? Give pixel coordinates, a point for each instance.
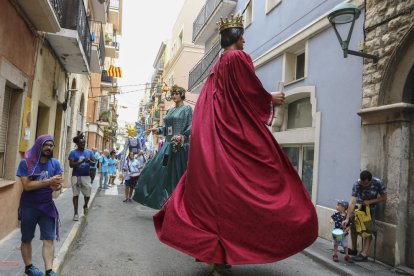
(111, 47)
(114, 15)
(73, 43)
(46, 15)
(99, 8)
(98, 47)
(201, 70)
(105, 78)
(205, 24)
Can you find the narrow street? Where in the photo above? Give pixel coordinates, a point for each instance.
(119, 239)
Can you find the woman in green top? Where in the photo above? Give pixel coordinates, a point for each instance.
(162, 173)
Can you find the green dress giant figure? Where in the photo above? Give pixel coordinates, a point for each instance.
(162, 173)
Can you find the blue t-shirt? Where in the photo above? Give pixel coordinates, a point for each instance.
(112, 165)
(104, 163)
(376, 188)
(94, 165)
(83, 168)
(40, 199)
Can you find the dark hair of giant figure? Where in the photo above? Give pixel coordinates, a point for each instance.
(230, 36)
(178, 89)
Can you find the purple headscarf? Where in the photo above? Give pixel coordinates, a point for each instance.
(32, 156)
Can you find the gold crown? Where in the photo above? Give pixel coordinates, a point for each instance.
(234, 21)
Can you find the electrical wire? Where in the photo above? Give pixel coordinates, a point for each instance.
(214, 59)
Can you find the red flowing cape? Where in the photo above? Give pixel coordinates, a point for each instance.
(241, 201)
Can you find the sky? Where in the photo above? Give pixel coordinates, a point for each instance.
(145, 24)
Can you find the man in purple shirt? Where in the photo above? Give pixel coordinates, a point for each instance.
(80, 160)
(40, 174)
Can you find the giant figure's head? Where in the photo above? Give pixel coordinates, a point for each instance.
(231, 32)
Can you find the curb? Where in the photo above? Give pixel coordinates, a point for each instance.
(77, 229)
(327, 263)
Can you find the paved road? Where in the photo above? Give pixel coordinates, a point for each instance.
(119, 239)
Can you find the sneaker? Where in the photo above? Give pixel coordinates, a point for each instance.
(360, 258)
(350, 252)
(348, 259)
(126, 200)
(33, 271)
(52, 273)
(75, 217)
(130, 200)
(335, 258)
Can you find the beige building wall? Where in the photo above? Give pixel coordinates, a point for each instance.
(48, 95)
(181, 54)
(77, 104)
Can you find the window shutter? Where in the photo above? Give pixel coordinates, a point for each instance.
(5, 119)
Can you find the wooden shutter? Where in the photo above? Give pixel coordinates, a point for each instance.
(5, 119)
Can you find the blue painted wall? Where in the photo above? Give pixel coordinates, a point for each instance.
(338, 83)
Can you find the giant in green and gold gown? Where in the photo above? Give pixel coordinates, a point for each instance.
(162, 173)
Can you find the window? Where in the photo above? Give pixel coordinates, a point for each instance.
(271, 4)
(104, 103)
(4, 128)
(301, 157)
(299, 114)
(248, 14)
(300, 66)
(295, 66)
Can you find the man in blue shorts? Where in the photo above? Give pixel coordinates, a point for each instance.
(80, 159)
(40, 174)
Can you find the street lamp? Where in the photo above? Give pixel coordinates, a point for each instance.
(345, 13)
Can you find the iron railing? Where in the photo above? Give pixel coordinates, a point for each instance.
(105, 77)
(114, 4)
(204, 16)
(201, 70)
(98, 40)
(57, 6)
(74, 18)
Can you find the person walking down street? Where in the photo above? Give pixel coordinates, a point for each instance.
(80, 159)
(367, 192)
(131, 170)
(40, 175)
(162, 173)
(94, 165)
(342, 238)
(104, 169)
(241, 201)
(112, 164)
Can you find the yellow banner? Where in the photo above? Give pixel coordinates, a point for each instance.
(25, 134)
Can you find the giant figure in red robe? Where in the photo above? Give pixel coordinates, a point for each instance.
(241, 201)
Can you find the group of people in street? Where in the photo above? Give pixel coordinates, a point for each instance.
(226, 192)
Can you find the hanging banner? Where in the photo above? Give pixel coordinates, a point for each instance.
(115, 71)
(25, 133)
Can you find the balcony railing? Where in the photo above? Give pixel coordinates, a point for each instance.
(201, 70)
(114, 4)
(74, 18)
(98, 39)
(57, 6)
(105, 77)
(204, 16)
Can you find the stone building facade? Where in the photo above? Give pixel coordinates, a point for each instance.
(387, 136)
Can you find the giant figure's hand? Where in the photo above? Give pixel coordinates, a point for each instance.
(278, 98)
